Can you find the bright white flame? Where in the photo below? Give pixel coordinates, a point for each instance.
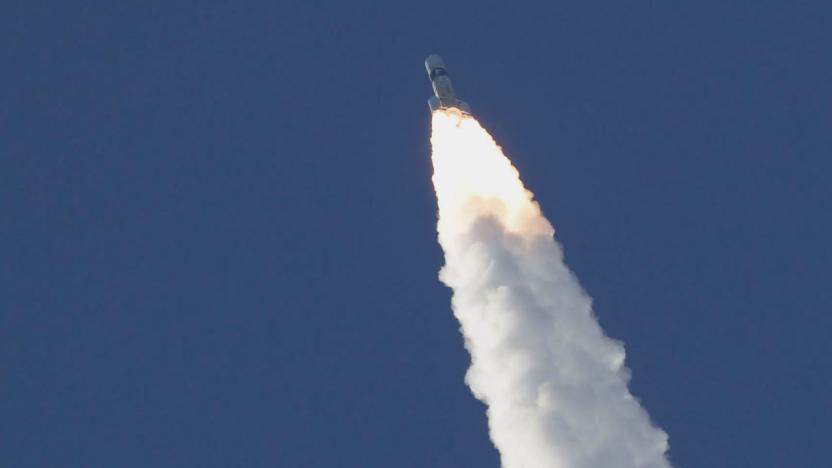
(555, 385)
(476, 177)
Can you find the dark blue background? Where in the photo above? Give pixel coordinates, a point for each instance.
(218, 239)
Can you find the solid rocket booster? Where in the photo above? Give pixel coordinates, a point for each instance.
(444, 96)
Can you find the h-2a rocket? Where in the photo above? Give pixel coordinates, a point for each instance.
(444, 96)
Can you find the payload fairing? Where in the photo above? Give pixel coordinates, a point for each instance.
(444, 96)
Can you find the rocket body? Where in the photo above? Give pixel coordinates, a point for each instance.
(444, 96)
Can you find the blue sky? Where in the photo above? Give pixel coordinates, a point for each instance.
(218, 234)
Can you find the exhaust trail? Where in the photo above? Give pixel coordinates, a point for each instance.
(554, 384)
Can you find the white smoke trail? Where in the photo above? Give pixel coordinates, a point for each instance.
(555, 385)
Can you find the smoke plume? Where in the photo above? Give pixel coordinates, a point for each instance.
(555, 385)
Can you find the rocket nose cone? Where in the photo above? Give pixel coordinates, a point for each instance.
(434, 61)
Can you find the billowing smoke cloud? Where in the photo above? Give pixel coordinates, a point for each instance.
(555, 385)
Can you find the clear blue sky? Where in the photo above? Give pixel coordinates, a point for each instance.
(218, 229)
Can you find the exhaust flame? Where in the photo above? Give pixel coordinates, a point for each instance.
(555, 385)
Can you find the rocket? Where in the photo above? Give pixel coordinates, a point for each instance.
(444, 96)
